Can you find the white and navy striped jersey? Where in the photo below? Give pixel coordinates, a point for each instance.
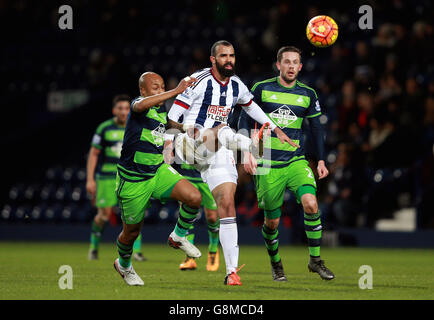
(209, 102)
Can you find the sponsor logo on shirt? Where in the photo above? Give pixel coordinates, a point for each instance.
(317, 106)
(283, 116)
(218, 113)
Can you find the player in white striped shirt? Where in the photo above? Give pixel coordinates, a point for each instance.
(209, 103)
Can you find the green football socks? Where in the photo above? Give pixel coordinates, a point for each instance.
(313, 228)
(95, 235)
(190, 234)
(213, 236)
(185, 220)
(137, 245)
(125, 252)
(271, 238)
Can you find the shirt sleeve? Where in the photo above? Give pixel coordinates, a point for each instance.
(138, 99)
(314, 109)
(317, 131)
(97, 139)
(245, 97)
(176, 112)
(256, 93)
(186, 98)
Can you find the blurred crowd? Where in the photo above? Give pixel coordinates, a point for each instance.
(376, 87)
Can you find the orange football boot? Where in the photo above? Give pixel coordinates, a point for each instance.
(213, 261)
(233, 279)
(188, 264)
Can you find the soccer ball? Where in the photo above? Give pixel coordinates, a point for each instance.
(322, 31)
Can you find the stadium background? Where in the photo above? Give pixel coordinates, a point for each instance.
(375, 86)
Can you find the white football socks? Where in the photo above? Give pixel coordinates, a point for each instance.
(229, 242)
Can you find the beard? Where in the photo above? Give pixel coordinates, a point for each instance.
(225, 72)
(288, 79)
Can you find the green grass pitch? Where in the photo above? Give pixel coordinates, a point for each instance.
(30, 271)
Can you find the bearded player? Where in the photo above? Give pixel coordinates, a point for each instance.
(209, 104)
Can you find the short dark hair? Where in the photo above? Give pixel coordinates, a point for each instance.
(218, 43)
(121, 97)
(287, 49)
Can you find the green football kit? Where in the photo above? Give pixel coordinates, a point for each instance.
(284, 166)
(108, 139)
(142, 173)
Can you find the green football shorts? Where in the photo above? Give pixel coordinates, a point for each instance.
(270, 188)
(133, 196)
(105, 192)
(207, 197)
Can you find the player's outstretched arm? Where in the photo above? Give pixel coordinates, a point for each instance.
(149, 102)
(255, 112)
(171, 124)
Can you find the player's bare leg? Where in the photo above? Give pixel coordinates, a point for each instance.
(313, 227)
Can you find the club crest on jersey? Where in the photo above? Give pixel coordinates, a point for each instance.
(283, 116)
(158, 134)
(218, 113)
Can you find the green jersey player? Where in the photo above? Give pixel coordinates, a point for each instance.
(142, 174)
(103, 156)
(287, 102)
